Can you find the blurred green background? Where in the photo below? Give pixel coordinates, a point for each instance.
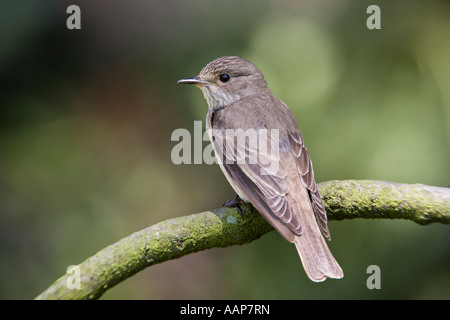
(86, 118)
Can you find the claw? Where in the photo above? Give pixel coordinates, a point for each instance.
(234, 204)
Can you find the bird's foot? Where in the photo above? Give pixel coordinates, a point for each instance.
(235, 203)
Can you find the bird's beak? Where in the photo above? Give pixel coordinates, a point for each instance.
(195, 80)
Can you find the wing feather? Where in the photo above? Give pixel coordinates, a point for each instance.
(255, 174)
(305, 169)
(263, 175)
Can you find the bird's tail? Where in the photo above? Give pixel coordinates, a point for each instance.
(316, 257)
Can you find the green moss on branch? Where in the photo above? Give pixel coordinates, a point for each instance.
(224, 227)
(370, 199)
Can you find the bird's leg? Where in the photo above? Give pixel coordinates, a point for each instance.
(234, 204)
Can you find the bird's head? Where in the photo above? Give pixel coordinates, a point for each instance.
(227, 80)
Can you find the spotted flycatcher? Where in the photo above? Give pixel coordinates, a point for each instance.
(275, 176)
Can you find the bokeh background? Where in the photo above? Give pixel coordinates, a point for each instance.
(86, 118)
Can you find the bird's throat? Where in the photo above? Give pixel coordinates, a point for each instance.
(217, 98)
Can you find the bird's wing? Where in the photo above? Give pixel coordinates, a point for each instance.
(306, 172)
(262, 177)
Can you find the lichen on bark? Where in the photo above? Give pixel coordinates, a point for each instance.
(223, 227)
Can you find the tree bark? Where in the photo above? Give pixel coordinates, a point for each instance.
(224, 227)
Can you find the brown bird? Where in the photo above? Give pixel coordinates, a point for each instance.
(273, 172)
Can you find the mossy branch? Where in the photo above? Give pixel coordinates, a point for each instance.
(224, 227)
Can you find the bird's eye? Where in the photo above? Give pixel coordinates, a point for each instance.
(224, 77)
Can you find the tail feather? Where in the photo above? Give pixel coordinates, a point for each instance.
(315, 255)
